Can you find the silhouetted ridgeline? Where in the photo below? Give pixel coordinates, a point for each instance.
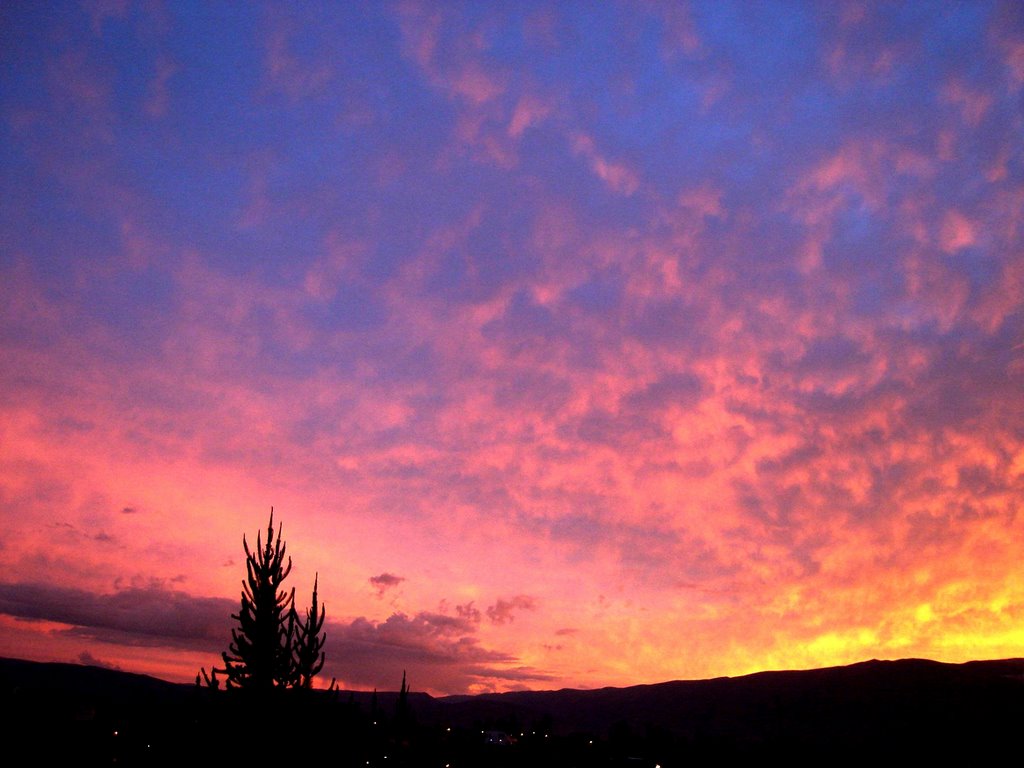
(912, 708)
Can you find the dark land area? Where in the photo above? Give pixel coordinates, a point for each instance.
(882, 711)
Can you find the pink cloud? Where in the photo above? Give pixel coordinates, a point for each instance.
(528, 112)
(296, 76)
(1014, 59)
(459, 70)
(617, 176)
(765, 389)
(1004, 298)
(957, 232)
(158, 98)
(487, 143)
(475, 85)
(705, 201)
(680, 31)
(338, 266)
(419, 32)
(973, 104)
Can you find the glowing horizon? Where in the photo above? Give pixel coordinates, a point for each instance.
(573, 346)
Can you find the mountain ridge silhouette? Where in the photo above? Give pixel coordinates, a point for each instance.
(906, 708)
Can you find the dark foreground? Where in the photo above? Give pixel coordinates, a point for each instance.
(911, 710)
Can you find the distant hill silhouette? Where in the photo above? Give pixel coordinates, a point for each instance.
(910, 709)
(913, 706)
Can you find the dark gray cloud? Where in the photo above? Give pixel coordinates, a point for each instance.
(146, 616)
(438, 652)
(384, 582)
(91, 661)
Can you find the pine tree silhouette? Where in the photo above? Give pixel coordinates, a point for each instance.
(307, 650)
(402, 708)
(272, 647)
(403, 711)
(260, 655)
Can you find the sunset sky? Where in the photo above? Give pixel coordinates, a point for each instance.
(574, 344)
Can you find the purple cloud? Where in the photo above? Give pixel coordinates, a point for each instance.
(384, 582)
(503, 611)
(151, 616)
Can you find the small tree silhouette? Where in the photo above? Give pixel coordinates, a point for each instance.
(260, 654)
(307, 650)
(402, 707)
